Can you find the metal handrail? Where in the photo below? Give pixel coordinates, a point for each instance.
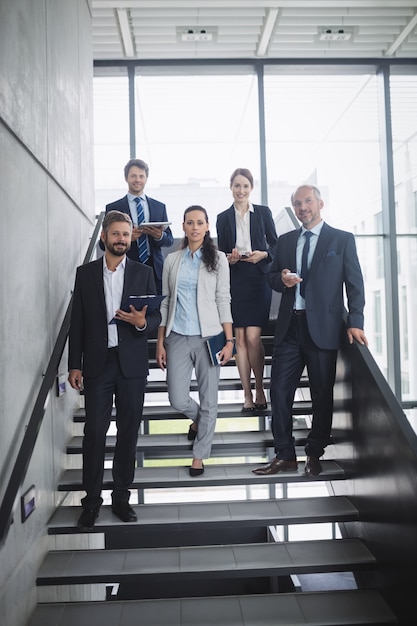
(31, 434)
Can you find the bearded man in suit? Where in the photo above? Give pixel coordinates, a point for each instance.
(311, 269)
(110, 360)
(154, 238)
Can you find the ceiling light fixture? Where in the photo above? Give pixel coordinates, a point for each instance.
(123, 17)
(197, 34)
(335, 34)
(268, 27)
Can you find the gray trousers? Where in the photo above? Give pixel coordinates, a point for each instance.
(185, 353)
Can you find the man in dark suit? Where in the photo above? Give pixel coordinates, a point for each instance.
(110, 359)
(155, 238)
(311, 268)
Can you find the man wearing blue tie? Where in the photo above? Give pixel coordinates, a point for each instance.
(147, 241)
(311, 269)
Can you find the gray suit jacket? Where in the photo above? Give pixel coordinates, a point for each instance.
(213, 294)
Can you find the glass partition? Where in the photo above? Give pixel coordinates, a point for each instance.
(403, 92)
(194, 130)
(322, 128)
(111, 134)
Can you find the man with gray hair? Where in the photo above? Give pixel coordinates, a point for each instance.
(312, 266)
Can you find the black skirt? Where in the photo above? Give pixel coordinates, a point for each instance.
(251, 295)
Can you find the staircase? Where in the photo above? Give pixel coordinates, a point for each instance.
(225, 548)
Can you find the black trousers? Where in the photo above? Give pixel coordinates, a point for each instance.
(128, 395)
(288, 361)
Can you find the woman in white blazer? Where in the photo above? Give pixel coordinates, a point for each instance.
(196, 283)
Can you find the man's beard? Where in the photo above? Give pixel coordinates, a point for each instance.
(117, 251)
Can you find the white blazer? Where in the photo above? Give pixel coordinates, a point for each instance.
(213, 294)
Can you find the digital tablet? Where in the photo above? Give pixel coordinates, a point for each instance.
(164, 224)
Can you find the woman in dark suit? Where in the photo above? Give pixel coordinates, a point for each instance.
(246, 233)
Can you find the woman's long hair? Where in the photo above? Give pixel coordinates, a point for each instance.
(208, 249)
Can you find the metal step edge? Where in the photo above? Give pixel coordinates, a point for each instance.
(301, 407)
(249, 440)
(212, 515)
(68, 567)
(214, 475)
(341, 608)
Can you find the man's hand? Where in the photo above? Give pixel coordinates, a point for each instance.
(152, 231)
(161, 355)
(75, 379)
(289, 279)
(358, 334)
(134, 317)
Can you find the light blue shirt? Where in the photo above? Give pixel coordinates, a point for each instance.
(186, 320)
(300, 303)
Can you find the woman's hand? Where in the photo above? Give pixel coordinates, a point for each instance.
(255, 256)
(226, 353)
(233, 257)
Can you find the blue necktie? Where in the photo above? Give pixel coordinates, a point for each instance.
(304, 262)
(142, 243)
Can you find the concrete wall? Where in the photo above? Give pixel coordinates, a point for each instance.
(47, 215)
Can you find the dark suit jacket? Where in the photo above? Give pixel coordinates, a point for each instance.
(88, 331)
(334, 265)
(157, 213)
(262, 232)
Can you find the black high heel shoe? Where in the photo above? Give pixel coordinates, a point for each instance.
(192, 434)
(196, 471)
(261, 407)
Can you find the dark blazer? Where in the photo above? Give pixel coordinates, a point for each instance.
(88, 330)
(157, 213)
(262, 232)
(335, 264)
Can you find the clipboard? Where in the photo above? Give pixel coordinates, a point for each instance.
(152, 301)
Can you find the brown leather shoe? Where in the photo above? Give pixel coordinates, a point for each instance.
(313, 466)
(275, 466)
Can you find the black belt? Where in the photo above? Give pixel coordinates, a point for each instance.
(299, 311)
(114, 349)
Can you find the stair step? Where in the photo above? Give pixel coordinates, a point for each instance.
(215, 475)
(338, 608)
(68, 567)
(255, 442)
(165, 412)
(232, 363)
(225, 384)
(212, 515)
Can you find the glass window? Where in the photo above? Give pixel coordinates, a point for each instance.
(194, 130)
(403, 92)
(322, 128)
(111, 135)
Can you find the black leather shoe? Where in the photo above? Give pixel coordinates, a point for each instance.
(248, 410)
(276, 466)
(313, 466)
(192, 434)
(124, 511)
(196, 471)
(88, 518)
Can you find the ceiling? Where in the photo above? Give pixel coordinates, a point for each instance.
(253, 29)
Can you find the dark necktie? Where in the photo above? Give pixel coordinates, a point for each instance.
(304, 262)
(142, 243)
